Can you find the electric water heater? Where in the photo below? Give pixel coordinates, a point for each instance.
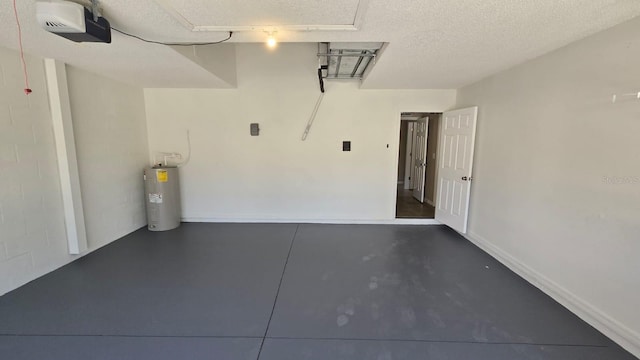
(162, 196)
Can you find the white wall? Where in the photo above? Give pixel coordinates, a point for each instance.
(32, 232)
(548, 139)
(276, 176)
(111, 141)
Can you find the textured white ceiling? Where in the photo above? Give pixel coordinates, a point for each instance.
(264, 12)
(432, 43)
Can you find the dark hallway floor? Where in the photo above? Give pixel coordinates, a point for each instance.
(410, 208)
(291, 292)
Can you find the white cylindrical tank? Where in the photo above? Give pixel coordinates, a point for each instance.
(162, 196)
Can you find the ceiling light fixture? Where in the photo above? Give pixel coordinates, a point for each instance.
(272, 42)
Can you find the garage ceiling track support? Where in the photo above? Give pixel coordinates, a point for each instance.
(346, 61)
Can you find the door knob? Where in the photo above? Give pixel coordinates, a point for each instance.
(464, 178)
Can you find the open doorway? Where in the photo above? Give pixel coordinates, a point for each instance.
(417, 164)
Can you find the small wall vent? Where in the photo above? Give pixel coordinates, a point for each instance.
(54, 24)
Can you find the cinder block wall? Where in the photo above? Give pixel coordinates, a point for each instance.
(32, 233)
(111, 141)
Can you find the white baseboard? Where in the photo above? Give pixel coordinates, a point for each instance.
(429, 202)
(315, 221)
(621, 334)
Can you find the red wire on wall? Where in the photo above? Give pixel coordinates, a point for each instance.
(27, 89)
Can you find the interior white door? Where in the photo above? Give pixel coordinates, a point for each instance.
(420, 130)
(413, 146)
(408, 167)
(457, 139)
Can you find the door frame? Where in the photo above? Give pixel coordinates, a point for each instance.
(396, 147)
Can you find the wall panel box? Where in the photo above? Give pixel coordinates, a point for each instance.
(255, 129)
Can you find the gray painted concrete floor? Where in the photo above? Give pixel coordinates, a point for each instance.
(286, 291)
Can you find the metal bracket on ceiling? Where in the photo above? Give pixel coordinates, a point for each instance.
(364, 53)
(95, 10)
(339, 63)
